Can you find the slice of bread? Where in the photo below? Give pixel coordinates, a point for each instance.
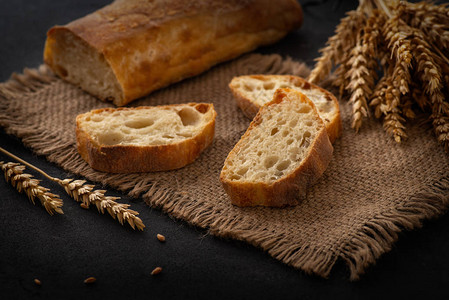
(284, 151)
(146, 138)
(253, 91)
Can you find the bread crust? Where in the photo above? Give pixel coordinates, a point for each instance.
(151, 158)
(288, 190)
(151, 44)
(249, 108)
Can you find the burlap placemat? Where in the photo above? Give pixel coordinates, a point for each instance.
(372, 189)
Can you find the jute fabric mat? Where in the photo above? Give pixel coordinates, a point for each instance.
(372, 190)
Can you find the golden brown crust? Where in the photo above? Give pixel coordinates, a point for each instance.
(288, 190)
(151, 44)
(249, 108)
(131, 159)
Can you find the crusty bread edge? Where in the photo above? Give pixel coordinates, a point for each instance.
(49, 58)
(289, 190)
(334, 127)
(133, 159)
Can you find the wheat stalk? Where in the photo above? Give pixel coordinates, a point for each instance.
(77, 189)
(337, 46)
(24, 183)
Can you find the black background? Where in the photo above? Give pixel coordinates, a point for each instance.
(63, 250)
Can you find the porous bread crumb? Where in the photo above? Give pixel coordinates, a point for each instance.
(149, 126)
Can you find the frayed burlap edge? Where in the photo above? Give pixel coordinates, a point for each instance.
(359, 252)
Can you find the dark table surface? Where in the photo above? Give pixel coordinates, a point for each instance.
(63, 250)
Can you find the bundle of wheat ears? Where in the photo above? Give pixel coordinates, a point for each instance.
(392, 57)
(77, 189)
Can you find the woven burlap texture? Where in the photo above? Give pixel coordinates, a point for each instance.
(372, 190)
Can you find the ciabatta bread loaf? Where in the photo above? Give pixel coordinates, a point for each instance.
(284, 151)
(144, 139)
(133, 47)
(253, 91)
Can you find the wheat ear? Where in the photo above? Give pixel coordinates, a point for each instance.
(81, 192)
(24, 183)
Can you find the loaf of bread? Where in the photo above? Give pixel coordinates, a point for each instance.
(144, 139)
(253, 91)
(284, 151)
(132, 47)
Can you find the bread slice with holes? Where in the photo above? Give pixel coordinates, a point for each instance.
(146, 138)
(283, 152)
(253, 91)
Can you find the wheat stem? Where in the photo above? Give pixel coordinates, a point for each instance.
(26, 163)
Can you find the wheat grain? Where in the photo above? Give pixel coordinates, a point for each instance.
(160, 237)
(90, 280)
(156, 271)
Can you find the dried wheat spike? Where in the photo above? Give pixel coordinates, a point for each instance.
(406, 106)
(371, 34)
(441, 126)
(398, 36)
(338, 45)
(361, 83)
(428, 70)
(84, 193)
(440, 118)
(420, 10)
(393, 122)
(378, 98)
(341, 81)
(24, 183)
(430, 73)
(393, 125)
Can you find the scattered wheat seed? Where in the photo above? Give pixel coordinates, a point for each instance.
(90, 280)
(160, 237)
(156, 271)
(37, 281)
(83, 205)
